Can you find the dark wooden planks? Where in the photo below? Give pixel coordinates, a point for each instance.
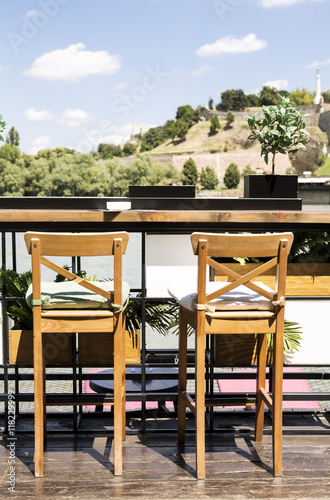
(80, 466)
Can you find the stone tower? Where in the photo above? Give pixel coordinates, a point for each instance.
(318, 96)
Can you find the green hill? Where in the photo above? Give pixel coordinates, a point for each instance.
(199, 139)
(234, 140)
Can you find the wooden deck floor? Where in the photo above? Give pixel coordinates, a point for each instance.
(80, 465)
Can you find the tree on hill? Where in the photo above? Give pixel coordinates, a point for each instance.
(185, 113)
(230, 118)
(208, 178)
(303, 96)
(252, 101)
(189, 173)
(188, 114)
(197, 114)
(169, 129)
(13, 137)
(214, 125)
(211, 102)
(268, 96)
(182, 128)
(326, 95)
(232, 100)
(108, 151)
(232, 176)
(129, 149)
(151, 139)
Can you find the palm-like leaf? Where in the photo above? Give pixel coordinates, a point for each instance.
(16, 285)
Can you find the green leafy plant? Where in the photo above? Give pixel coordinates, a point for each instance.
(160, 316)
(292, 337)
(311, 247)
(230, 118)
(232, 176)
(2, 127)
(189, 173)
(214, 125)
(208, 178)
(248, 171)
(16, 285)
(279, 130)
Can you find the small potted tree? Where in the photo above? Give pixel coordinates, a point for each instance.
(279, 130)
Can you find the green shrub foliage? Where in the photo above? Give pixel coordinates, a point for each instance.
(189, 173)
(232, 176)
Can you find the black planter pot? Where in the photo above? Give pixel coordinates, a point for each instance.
(271, 186)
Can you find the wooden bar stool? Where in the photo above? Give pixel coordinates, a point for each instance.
(241, 306)
(77, 306)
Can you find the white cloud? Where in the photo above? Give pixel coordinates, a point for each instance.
(121, 86)
(232, 45)
(278, 84)
(1, 68)
(199, 71)
(37, 116)
(74, 63)
(282, 3)
(31, 13)
(73, 117)
(316, 64)
(42, 142)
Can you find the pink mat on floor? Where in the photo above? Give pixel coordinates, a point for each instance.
(130, 405)
(249, 386)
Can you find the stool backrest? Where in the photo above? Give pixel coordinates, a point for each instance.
(73, 245)
(207, 245)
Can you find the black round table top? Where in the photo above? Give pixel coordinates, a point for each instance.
(152, 385)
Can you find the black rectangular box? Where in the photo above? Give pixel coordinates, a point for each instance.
(161, 191)
(270, 186)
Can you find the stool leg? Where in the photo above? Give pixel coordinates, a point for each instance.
(38, 403)
(123, 386)
(200, 395)
(261, 384)
(44, 398)
(277, 391)
(182, 384)
(118, 397)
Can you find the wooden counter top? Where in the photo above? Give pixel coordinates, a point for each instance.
(160, 217)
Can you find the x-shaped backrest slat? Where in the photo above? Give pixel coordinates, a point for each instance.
(241, 280)
(73, 277)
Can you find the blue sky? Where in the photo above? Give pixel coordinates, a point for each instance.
(75, 73)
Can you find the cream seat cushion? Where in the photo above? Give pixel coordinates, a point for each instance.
(71, 295)
(239, 299)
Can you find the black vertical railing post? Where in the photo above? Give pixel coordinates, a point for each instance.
(143, 327)
(5, 344)
(75, 347)
(74, 269)
(13, 251)
(14, 267)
